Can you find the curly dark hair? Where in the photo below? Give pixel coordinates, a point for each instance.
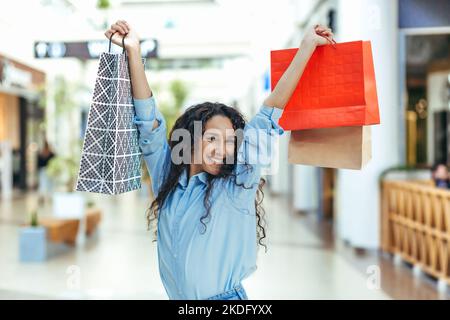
(203, 112)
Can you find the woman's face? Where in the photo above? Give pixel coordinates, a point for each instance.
(441, 173)
(217, 145)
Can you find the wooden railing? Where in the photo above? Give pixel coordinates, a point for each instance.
(415, 224)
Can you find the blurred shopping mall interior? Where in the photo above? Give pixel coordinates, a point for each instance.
(381, 232)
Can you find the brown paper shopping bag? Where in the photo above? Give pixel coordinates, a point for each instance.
(340, 147)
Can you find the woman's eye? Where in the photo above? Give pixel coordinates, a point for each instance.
(212, 138)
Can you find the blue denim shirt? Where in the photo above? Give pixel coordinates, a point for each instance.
(195, 263)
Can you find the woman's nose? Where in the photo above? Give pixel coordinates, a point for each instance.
(219, 151)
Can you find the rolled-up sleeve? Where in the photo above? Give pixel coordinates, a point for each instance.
(257, 147)
(153, 142)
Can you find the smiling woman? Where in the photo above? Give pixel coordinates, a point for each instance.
(208, 211)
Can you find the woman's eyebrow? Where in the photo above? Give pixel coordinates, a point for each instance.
(216, 134)
(212, 134)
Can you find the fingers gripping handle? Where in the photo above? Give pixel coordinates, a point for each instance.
(123, 42)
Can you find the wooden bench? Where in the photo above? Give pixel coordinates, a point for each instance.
(93, 218)
(61, 230)
(415, 224)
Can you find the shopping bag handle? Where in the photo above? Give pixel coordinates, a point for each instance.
(126, 59)
(123, 42)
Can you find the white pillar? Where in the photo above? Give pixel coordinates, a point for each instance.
(305, 183)
(357, 193)
(280, 177)
(6, 170)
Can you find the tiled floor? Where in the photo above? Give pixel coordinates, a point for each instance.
(397, 278)
(120, 261)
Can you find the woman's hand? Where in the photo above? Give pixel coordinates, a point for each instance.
(122, 28)
(280, 95)
(140, 87)
(318, 36)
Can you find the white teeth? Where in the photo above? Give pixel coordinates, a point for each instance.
(217, 161)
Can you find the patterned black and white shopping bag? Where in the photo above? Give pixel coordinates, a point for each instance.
(111, 158)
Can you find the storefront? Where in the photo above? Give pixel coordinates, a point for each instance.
(21, 118)
(425, 77)
(411, 48)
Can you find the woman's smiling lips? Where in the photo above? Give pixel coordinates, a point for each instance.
(215, 161)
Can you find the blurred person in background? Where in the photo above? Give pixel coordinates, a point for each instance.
(208, 214)
(44, 156)
(440, 175)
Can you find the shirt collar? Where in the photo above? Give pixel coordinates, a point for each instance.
(201, 176)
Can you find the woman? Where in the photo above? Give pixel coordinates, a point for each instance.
(207, 185)
(440, 176)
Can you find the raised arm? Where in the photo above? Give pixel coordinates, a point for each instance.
(261, 132)
(279, 97)
(141, 89)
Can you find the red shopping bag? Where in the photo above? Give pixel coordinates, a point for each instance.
(337, 87)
